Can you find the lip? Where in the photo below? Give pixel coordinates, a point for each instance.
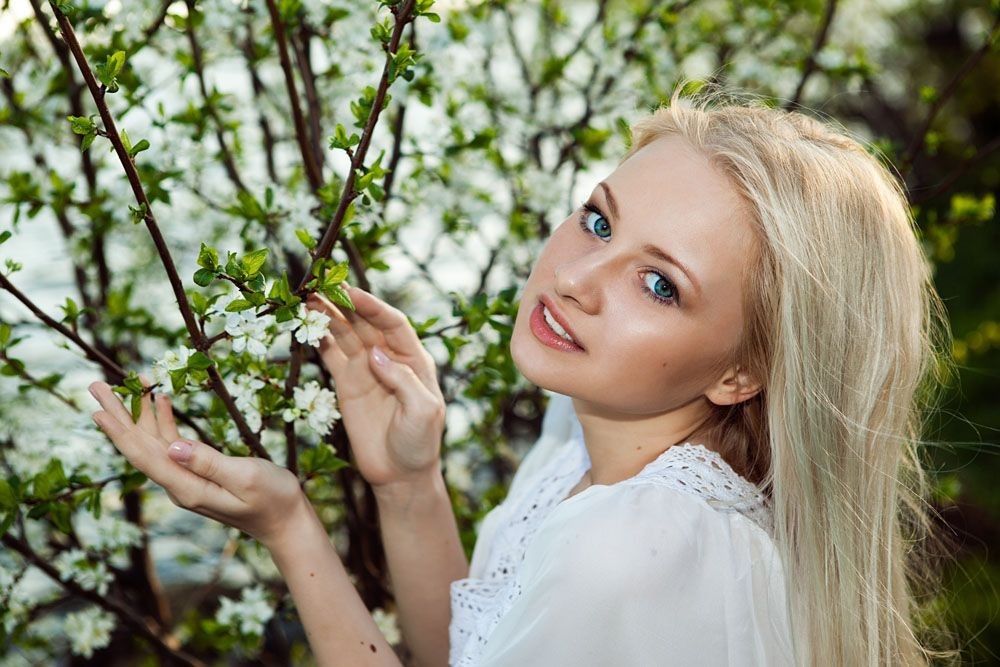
(544, 332)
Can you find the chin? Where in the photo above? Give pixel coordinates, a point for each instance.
(531, 360)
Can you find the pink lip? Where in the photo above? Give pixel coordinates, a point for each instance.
(544, 332)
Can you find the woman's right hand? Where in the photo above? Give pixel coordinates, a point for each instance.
(393, 411)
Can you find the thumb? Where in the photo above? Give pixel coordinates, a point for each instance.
(202, 460)
(400, 379)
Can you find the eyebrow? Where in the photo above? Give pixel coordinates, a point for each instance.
(649, 248)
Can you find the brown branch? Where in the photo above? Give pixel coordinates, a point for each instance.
(35, 382)
(348, 195)
(917, 143)
(198, 340)
(291, 452)
(199, 70)
(957, 173)
(113, 371)
(309, 161)
(818, 43)
(165, 645)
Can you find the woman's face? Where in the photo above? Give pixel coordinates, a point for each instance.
(649, 335)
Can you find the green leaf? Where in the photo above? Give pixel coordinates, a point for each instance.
(200, 361)
(337, 295)
(8, 501)
(87, 141)
(50, 481)
(107, 71)
(138, 148)
(5, 332)
(306, 238)
(322, 458)
(208, 257)
(80, 124)
(254, 261)
(203, 277)
(136, 407)
(138, 214)
(237, 305)
(4, 235)
(4, 74)
(126, 141)
(178, 380)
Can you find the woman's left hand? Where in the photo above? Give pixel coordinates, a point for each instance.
(252, 494)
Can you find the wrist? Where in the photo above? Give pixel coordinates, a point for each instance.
(294, 528)
(427, 486)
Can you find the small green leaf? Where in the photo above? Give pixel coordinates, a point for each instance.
(4, 74)
(7, 499)
(306, 238)
(200, 361)
(80, 124)
(203, 277)
(208, 257)
(138, 148)
(136, 407)
(253, 261)
(4, 235)
(138, 214)
(237, 305)
(87, 141)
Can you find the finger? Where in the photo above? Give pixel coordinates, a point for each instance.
(333, 357)
(110, 402)
(195, 491)
(347, 339)
(228, 472)
(165, 422)
(147, 420)
(401, 380)
(399, 333)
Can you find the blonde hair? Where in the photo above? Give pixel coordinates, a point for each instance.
(851, 342)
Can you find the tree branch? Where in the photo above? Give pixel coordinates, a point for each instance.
(167, 646)
(818, 43)
(198, 340)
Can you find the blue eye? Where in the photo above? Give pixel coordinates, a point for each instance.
(601, 228)
(662, 290)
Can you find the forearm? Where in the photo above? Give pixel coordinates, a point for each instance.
(424, 555)
(339, 627)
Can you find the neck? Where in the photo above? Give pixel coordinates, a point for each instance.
(620, 445)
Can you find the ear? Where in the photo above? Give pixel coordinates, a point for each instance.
(735, 386)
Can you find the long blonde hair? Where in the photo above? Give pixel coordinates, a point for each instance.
(847, 333)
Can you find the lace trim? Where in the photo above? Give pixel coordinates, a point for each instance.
(479, 603)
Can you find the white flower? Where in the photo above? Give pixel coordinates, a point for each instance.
(74, 564)
(171, 361)
(312, 326)
(89, 629)
(249, 332)
(113, 533)
(251, 612)
(315, 404)
(386, 622)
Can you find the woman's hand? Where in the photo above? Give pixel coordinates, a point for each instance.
(393, 410)
(251, 494)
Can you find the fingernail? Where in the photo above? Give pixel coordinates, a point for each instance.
(380, 357)
(180, 451)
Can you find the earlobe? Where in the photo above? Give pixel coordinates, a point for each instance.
(734, 387)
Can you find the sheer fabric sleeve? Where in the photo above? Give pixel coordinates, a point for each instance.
(642, 574)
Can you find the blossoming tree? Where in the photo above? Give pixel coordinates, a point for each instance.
(177, 176)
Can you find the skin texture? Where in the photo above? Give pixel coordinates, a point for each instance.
(649, 370)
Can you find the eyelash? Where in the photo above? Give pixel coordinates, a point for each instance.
(591, 208)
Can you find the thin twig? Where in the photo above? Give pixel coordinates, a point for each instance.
(818, 43)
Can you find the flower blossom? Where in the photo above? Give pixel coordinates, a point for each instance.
(88, 630)
(250, 613)
(315, 404)
(74, 564)
(249, 332)
(171, 361)
(312, 326)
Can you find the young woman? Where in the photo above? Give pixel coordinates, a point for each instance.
(739, 328)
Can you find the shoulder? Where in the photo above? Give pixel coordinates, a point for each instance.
(640, 534)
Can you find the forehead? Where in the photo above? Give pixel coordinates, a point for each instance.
(671, 195)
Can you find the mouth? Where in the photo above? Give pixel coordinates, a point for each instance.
(550, 332)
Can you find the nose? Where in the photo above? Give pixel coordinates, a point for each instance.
(580, 279)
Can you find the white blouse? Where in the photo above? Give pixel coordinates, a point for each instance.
(675, 566)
